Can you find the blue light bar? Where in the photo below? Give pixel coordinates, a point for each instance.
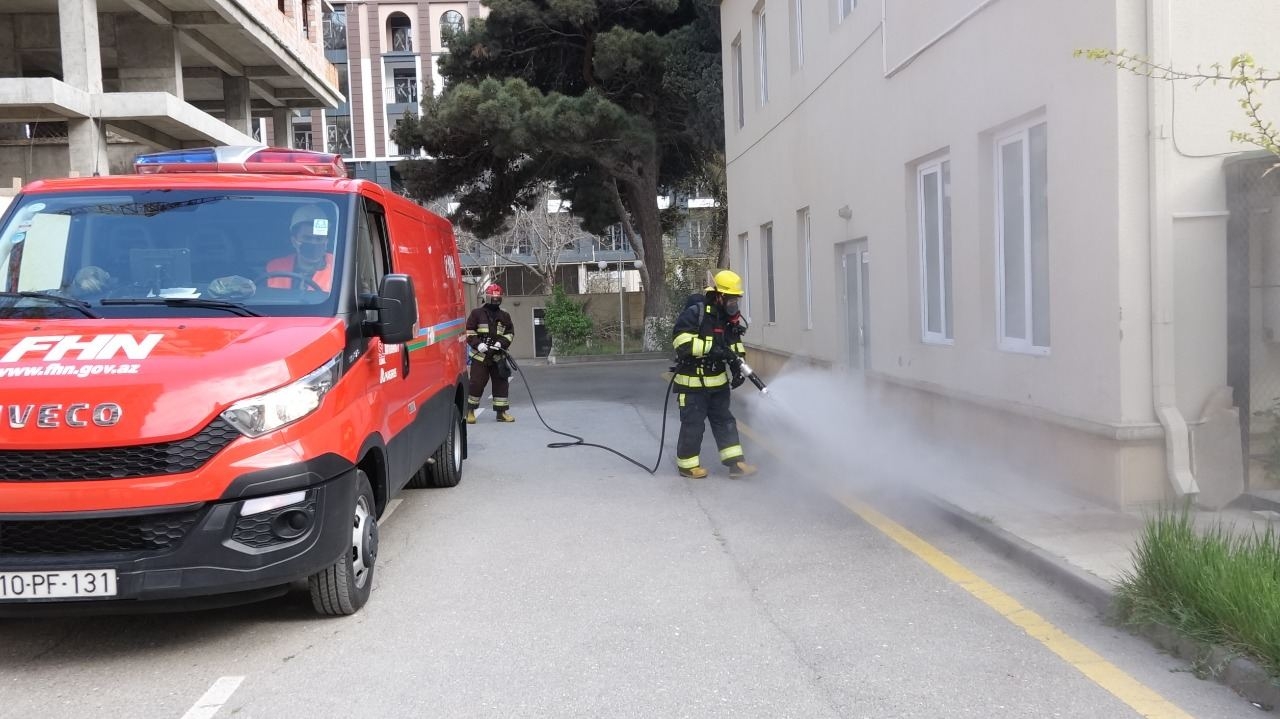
(175, 157)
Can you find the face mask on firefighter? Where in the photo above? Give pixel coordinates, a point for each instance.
(494, 301)
(731, 306)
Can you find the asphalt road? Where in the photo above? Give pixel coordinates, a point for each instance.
(570, 583)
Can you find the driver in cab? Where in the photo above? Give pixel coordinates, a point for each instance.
(308, 268)
(310, 262)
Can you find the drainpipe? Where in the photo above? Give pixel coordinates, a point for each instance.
(1177, 437)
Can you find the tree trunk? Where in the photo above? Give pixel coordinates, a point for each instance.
(642, 197)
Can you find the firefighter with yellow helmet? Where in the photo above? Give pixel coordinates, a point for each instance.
(708, 344)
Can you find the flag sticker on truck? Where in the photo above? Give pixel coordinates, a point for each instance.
(428, 336)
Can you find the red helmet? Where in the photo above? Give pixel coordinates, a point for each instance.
(493, 290)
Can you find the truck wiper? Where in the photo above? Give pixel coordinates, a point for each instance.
(234, 308)
(71, 302)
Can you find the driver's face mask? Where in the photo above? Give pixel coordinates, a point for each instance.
(310, 249)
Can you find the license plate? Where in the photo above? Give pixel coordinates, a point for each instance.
(58, 585)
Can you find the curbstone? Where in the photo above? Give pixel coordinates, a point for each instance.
(1243, 675)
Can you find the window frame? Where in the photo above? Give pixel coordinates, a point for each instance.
(739, 81)
(770, 273)
(744, 249)
(844, 9)
(1026, 344)
(804, 228)
(762, 55)
(797, 34)
(940, 167)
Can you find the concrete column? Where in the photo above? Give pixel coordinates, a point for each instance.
(235, 98)
(9, 63)
(282, 127)
(150, 56)
(10, 67)
(81, 52)
(87, 145)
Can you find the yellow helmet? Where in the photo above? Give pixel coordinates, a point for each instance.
(728, 283)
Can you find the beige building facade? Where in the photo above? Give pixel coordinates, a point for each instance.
(1026, 250)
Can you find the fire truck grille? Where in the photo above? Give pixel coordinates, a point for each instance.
(144, 533)
(142, 460)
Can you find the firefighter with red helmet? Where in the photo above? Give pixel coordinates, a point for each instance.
(708, 341)
(490, 333)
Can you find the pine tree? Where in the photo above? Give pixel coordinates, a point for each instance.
(612, 101)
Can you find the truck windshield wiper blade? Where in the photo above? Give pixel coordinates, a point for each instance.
(233, 307)
(71, 302)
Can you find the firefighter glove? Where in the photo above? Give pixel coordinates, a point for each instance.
(738, 379)
(720, 351)
(482, 348)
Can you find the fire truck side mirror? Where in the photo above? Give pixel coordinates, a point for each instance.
(397, 310)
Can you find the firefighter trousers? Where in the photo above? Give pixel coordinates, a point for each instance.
(695, 409)
(481, 373)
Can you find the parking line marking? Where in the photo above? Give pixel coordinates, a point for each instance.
(1141, 698)
(209, 704)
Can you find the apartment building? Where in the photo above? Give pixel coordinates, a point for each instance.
(1028, 252)
(387, 55)
(85, 85)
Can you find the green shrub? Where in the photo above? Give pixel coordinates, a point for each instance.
(1216, 586)
(567, 321)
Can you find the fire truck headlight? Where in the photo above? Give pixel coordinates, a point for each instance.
(268, 412)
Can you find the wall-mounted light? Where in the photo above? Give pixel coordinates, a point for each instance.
(845, 213)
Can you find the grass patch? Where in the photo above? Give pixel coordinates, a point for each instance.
(1215, 586)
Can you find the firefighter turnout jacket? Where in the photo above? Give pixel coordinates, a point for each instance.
(698, 329)
(491, 327)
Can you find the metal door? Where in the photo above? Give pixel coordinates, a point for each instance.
(541, 338)
(856, 268)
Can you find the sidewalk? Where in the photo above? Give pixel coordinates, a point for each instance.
(1084, 548)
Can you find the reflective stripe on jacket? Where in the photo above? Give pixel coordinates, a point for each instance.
(487, 326)
(697, 328)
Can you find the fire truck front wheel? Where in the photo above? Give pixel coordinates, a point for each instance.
(343, 587)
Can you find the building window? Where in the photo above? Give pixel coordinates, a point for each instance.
(933, 200)
(338, 136)
(335, 28)
(739, 96)
(302, 138)
(400, 32)
(306, 19)
(762, 56)
(803, 227)
(797, 34)
(744, 251)
(405, 82)
(844, 8)
(697, 234)
(613, 240)
(451, 23)
(1022, 238)
(770, 294)
(344, 82)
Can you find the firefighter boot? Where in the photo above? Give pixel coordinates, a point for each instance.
(739, 469)
(693, 472)
(471, 415)
(505, 416)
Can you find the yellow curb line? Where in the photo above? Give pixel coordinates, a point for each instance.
(1141, 698)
